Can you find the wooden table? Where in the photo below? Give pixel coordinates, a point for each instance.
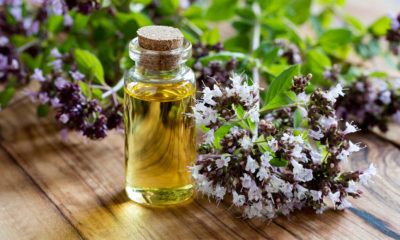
(55, 190)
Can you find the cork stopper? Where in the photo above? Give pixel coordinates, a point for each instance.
(160, 40)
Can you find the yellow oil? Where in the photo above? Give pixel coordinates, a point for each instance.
(159, 142)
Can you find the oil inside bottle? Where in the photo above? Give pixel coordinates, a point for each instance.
(159, 141)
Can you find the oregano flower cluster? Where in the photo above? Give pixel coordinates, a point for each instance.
(274, 169)
(371, 102)
(393, 34)
(62, 91)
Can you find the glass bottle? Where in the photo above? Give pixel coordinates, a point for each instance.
(159, 130)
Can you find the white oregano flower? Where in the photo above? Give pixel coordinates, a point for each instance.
(238, 200)
(350, 128)
(209, 137)
(366, 176)
(246, 142)
(251, 164)
(334, 197)
(300, 173)
(334, 93)
(317, 135)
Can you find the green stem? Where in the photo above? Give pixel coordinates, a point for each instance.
(255, 44)
(278, 108)
(192, 27)
(28, 45)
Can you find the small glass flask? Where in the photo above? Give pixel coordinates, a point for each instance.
(159, 127)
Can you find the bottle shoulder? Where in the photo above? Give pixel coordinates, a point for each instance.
(163, 88)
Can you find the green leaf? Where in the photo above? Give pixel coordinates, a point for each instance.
(239, 111)
(144, 2)
(5, 96)
(242, 26)
(84, 88)
(193, 12)
(97, 93)
(280, 100)
(210, 37)
(42, 110)
(297, 133)
(282, 83)
(278, 162)
(297, 118)
(204, 128)
(239, 43)
(220, 133)
(141, 19)
(262, 144)
(270, 6)
(354, 22)
(333, 39)
(31, 62)
(223, 56)
(55, 23)
(318, 61)
(80, 21)
(89, 65)
(379, 74)
(298, 11)
(380, 26)
(169, 7)
(271, 57)
(245, 12)
(310, 89)
(126, 24)
(221, 10)
(374, 48)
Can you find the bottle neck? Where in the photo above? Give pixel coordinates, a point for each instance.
(149, 73)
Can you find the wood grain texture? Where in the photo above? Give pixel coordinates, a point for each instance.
(85, 183)
(26, 209)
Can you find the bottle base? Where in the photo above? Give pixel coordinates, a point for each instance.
(159, 196)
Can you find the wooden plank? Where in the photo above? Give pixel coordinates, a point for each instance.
(25, 211)
(392, 135)
(86, 182)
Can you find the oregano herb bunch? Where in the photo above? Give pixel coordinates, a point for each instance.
(281, 168)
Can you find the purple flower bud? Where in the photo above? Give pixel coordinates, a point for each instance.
(184, 4)
(396, 117)
(3, 41)
(34, 28)
(14, 64)
(55, 53)
(385, 97)
(64, 118)
(327, 74)
(36, 2)
(57, 7)
(32, 95)
(57, 64)
(55, 102)
(68, 21)
(3, 62)
(60, 83)
(64, 134)
(43, 98)
(38, 75)
(395, 24)
(360, 86)
(26, 23)
(16, 12)
(77, 76)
